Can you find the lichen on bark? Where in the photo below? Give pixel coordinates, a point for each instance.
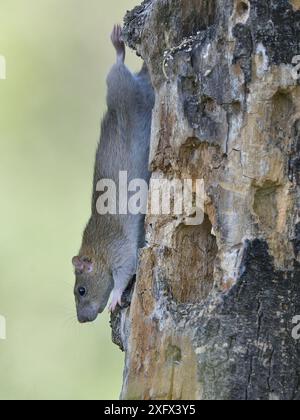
(212, 309)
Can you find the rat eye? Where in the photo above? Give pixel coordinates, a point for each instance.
(82, 291)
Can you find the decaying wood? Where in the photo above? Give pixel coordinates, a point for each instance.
(211, 313)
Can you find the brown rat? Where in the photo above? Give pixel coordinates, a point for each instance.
(108, 256)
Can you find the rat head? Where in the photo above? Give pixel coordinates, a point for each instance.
(92, 289)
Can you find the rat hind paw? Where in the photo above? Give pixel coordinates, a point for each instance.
(116, 300)
(117, 41)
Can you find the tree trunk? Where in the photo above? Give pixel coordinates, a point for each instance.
(212, 311)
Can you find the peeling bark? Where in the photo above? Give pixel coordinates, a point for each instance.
(212, 309)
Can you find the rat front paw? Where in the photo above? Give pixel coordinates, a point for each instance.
(116, 300)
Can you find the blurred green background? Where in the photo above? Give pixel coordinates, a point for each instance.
(58, 53)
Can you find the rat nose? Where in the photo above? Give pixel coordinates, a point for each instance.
(83, 319)
(86, 314)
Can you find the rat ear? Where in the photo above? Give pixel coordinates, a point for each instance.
(78, 263)
(88, 267)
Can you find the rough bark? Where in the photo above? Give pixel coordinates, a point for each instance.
(211, 313)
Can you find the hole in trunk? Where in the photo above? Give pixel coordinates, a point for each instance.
(191, 269)
(265, 206)
(242, 8)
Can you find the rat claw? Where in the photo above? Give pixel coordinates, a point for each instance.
(116, 300)
(111, 308)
